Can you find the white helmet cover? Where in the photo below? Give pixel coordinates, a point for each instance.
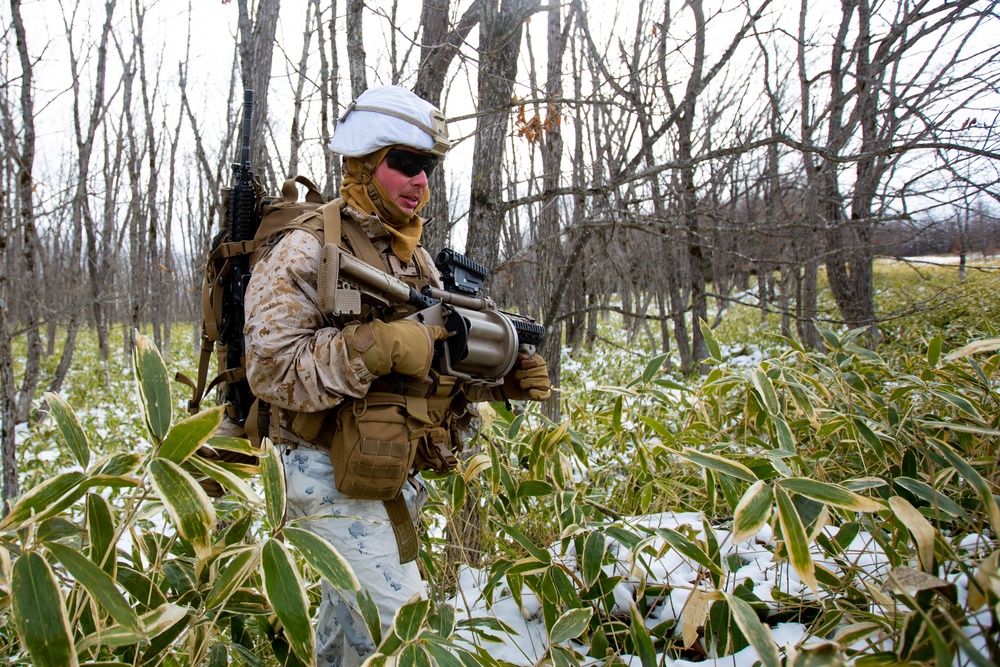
(387, 116)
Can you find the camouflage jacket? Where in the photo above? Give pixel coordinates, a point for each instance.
(295, 359)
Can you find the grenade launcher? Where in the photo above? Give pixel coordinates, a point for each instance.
(484, 341)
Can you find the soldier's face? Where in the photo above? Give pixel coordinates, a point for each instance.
(405, 191)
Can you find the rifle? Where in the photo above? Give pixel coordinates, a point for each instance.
(242, 221)
(484, 341)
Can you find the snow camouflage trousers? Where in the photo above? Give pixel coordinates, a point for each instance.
(360, 530)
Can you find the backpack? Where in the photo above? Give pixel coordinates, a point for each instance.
(246, 418)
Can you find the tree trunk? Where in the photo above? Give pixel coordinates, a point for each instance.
(256, 52)
(500, 41)
(356, 47)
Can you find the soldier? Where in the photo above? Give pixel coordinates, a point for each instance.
(357, 392)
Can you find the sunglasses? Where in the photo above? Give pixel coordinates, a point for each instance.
(409, 163)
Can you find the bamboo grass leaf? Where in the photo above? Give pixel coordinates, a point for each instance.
(756, 633)
(934, 351)
(594, 549)
(188, 435)
(570, 625)
(189, 508)
(976, 480)
(39, 612)
(934, 498)
(795, 539)
(100, 586)
(286, 593)
(56, 492)
(272, 474)
(323, 557)
(765, 390)
(977, 347)
(539, 554)
(154, 387)
(101, 529)
(831, 494)
(753, 511)
(687, 548)
(714, 351)
(69, 426)
(641, 640)
(228, 479)
(719, 464)
(240, 567)
(920, 528)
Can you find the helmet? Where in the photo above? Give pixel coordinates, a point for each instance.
(387, 116)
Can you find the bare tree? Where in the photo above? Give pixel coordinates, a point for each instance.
(256, 53)
(356, 47)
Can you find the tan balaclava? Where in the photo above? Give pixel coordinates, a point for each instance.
(362, 191)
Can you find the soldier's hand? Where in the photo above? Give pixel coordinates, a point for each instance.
(528, 380)
(404, 346)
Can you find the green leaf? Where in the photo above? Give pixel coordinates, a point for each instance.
(570, 625)
(831, 494)
(118, 465)
(414, 655)
(687, 548)
(240, 567)
(976, 480)
(959, 402)
(752, 512)
(410, 620)
(323, 557)
(539, 554)
(934, 351)
(101, 528)
(186, 502)
(39, 613)
(594, 549)
(442, 653)
(714, 351)
(100, 586)
(188, 435)
(719, 464)
(43, 497)
(795, 539)
(785, 439)
(765, 390)
(232, 481)
(755, 632)
(155, 623)
(272, 474)
(70, 428)
(369, 612)
(154, 387)
(653, 367)
(534, 488)
(286, 593)
(934, 498)
(641, 640)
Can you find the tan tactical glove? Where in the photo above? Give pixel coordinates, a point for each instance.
(404, 346)
(528, 380)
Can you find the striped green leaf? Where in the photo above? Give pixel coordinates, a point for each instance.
(831, 494)
(687, 548)
(570, 625)
(594, 549)
(752, 512)
(785, 439)
(539, 554)
(56, 492)
(323, 558)
(99, 584)
(186, 502)
(272, 474)
(756, 633)
(720, 464)
(935, 499)
(70, 428)
(765, 391)
(934, 351)
(233, 482)
(369, 612)
(240, 567)
(154, 387)
(188, 435)
(795, 539)
(39, 613)
(101, 528)
(287, 596)
(410, 620)
(641, 640)
(976, 480)
(154, 624)
(714, 351)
